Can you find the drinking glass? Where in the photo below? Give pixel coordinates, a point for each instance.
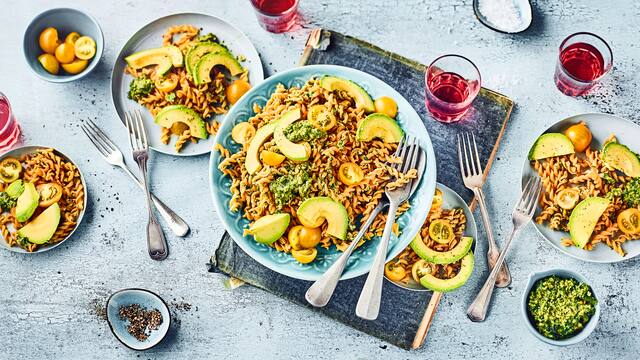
(584, 59)
(9, 128)
(276, 16)
(452, 82)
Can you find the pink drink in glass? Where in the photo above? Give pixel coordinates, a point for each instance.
(276, 16)
(9, 128)
(584, 59)
(452, 82)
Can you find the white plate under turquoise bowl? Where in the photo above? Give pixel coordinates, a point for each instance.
(450, 200)
(360, 262)
(601, 126)
(150, 36)
(586, 331)
(145, 299)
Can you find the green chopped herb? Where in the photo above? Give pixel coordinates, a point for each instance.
(560, 307)
(303, 131)
(341, 143)
(6, 201)
(140, 87)
(296, 183)
(210, 37)
(608, 179)
(631, 192)
(22, 241)
(170, 97)
(614, 193)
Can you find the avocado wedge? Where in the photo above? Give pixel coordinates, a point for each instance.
(202, 69)
(294, 151)
(163, 57)
(172, 114)
(269, 228)
(583, 219)
(445, 285)
(379, 126)
(27, 202)
(198, 51)
(355, 91)
(314, 211)
(41, 229)
(252, 161)
(621, 158)
(441, 257)
(550, 145)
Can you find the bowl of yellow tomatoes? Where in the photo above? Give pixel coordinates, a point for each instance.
(62, 45)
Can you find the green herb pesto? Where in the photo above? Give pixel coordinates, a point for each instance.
(6, 201)
(296, 183)
(631, 192)
(614, 193)
(560, 307)
(303, 131)
(210, 37)
(170, 97)
(608, 179)
(140, 87)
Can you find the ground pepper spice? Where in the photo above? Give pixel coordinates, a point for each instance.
(141, 320)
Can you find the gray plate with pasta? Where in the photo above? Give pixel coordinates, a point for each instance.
(185, 93)
(42, 166)
(586, 175)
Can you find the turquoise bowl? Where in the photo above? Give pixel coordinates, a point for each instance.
(362, 258)
(145, 299)
(65, 20)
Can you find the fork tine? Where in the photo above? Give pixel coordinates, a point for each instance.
(472, 164)
(142, 130)
(400, 145)
(460, 157)
(477, 154)
(101, 134)
(411, 158)
(534, 197)
(416, 157)
(466, 156)
(525, 191)
(97, 138)
(402, 155)
(96, 144)
(127, 118)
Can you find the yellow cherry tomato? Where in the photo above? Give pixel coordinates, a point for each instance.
(629, 221)
(48, 40)
(49, 63)
(10, 169)
(167, 83)
(236, 89)
(350, 173)
(85, 48)
(321, 118)
(76, 66)
(304, 256)
(437, 199)
(419, 269)
(272, 158)
(386, 105)
(394, 272)
(568, 198)
(580, 136)
(310, 237)
(50, 193)
(440, 231)
(294, 237)
(72, 38)
(65, 53)
(243, 132)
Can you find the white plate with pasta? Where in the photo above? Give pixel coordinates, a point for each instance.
(209, 98)
(570, 179)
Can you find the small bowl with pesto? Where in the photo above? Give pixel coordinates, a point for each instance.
(559, 306)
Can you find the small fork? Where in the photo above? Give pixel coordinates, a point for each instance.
(472, 176)
(522, 214)
(156, 242)
(113, 156)
(368, 306)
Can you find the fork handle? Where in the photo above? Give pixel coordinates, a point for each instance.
(368, 306)
(320, 292)
(504, 277)
(156, 242)
(477, 311)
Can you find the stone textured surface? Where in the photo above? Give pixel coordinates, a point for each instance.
(50, 303)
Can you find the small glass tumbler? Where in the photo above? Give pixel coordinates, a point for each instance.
(583, 60)
(276, 16)
(9, 127)
(452, 82)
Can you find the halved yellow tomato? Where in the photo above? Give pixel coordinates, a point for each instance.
(72, 38)
(50, 193)
(394, 272)
(350, 173)
(629, 221)
(440, 231)
(386, 105)
(236, 89)
(85, 48)
(568, 198)
(49, 63)
(321, 118)
(310, 237)
(76, 66)
(243, 132)
(272, 158)
(167, 83)
(48, 40)
(294, 237)
(10, 169)
(436, 203)
(419, 269)
(304, 256)
(65, 53)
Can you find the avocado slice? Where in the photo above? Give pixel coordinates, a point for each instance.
(583, 219)
(550, 145)
(15, 189)
(355, 91)
(41, 229)
(27, 202)
(202, 69)
(296, 152)
(252, 161)
(269, 228)
(314, 211)
(621, 158)
(379, 126)
(441, 257)
(198, 51)
(445, 285)
(164, 57)
(172, 114)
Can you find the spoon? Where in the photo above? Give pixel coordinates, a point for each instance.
(505, 16)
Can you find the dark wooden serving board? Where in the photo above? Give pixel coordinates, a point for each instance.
(401, 310)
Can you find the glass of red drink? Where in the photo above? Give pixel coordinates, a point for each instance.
(451, 84)
(276, 16)
(9, 128)
(584, 59)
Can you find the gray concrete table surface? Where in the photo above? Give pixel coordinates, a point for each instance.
(49, 303)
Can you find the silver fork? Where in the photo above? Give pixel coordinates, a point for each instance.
(368, 306)
(472, 176)
(522, 214)
(156, 243)
(113, 156)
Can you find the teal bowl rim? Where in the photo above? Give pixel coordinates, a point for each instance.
(152, 294)
(426, 187)
(64, 79)
(584, 333)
